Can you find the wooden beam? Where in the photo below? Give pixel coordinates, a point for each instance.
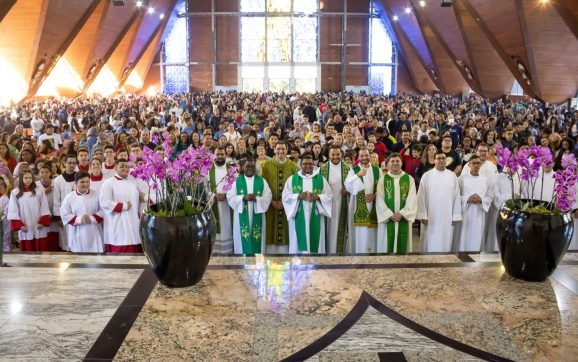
(138, 13)
(35, 83)
(566, 15)
(470, 61)
(527, 45)
(444, 44)
(5, 7)
(512, 66)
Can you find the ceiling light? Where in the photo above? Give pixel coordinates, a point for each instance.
(395, 18)
(151, 10)
(139, 4)
(407, 10)
(162, 16)
(422, 3)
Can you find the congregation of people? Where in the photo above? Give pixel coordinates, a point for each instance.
(322, 173)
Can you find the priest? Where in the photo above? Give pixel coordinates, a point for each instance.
(476, 194)
(80, 212)
(249, 198)
(396, 208)
(362, 212)
(119, 200)
(438, 206)
(341, 179)
(276, 172)
(307, 201)
(221, 209)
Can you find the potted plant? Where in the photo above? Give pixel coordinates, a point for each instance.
(178, 227)
(533, 233)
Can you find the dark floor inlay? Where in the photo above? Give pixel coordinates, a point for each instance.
(391, 357)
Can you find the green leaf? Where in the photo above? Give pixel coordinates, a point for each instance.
(180, 213)
(189, 209)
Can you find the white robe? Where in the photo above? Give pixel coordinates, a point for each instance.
(574, 242)
(362, 239)
(224, 239)
(108, 172)
(502, 192)
(336, 184)
(28, 209)
(537, 193)
(120, 228)
(254, 207)
(7, 231)
(82, 238)
(490, 242)
(53, 228)
(438, 202)
(474, 215)
(409, 212)
(61, 188)
(291, 206)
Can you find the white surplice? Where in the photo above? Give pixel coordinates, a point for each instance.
(362, 239)
(336, 184)
(223, 239)
(474, 215)
(537, 192)
(438, 202)
(83, 238)
(502, 192)
(409, 211)
(291, 206)
(574, 242)
(253, 207)
(28, 209)
(61, 188)
(121, 226)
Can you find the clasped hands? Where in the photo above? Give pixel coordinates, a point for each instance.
(474, 199)
(250, 197)
(308, 196)
(396, 217)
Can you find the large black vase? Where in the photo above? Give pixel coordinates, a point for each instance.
(178, 248)
(532, 245)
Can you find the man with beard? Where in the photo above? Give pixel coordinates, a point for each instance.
(362, 212)
(276, 171)
(249, 198)
(221, 209)
(307, 201)
(341, 179)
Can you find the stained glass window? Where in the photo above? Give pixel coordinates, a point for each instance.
(305, 39)
(279, 5)
(279, 39)
(175, 57)
(253, 42)
(381, 52)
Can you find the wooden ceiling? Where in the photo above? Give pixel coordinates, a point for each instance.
(484, 45)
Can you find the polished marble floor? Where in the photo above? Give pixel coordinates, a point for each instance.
(363, 308)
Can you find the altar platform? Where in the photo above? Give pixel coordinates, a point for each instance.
(452, 307)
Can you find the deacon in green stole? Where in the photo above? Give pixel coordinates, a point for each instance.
(249, 199)
(362, 213)
(276, 171)
(221, 210)
(341, 179)
(307, 201)
(396, 209)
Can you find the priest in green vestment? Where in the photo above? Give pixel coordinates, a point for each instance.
(307, 201)
(276, 171)
(396, 208)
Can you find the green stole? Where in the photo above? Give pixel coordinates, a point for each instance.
(362, 216)
(403, 227)
(324, 171)
(314, 218)
(250, 234)
(215, 207)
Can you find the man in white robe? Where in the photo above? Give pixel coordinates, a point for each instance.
(438, 206)
(80, 212)
(477, 195)
(503, 192)
(221, 209)
(119, 200)
(341, 179)
(396, 189)
(362, 211)
(243, 197)
(62, 186)
(307, 201)
(545, 177)
(574, 242)
(490, 171)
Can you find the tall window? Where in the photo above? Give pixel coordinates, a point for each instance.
(279, 45)
(382, 57)
(175, 57)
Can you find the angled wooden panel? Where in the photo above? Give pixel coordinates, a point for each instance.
(135, 81)
(118, 60)
(115, 21)
(568, 11)
(149, 26)
(410, 27)
(492, 74)
(404, 79)
(5, 7)
(152, 81)
(555, 51)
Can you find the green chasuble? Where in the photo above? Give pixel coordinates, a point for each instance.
(403, 225)
(362, 216)
(251, 233)
(324, 171)
(276, 174)
(314, 217)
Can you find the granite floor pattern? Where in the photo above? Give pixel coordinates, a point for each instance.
(275, 308)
